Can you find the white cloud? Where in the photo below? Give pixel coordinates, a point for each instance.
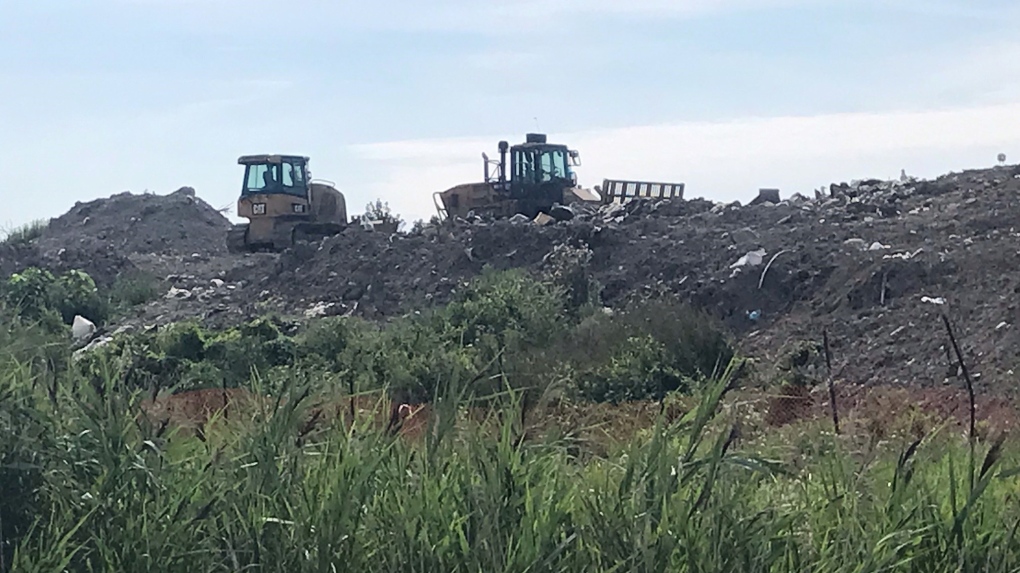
(721, 161)
(990, 71)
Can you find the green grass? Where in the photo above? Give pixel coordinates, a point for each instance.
(87, 485)
(133, 289)
(24, 234)
(103, 492)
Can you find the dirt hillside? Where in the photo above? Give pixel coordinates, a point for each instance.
(870, 262)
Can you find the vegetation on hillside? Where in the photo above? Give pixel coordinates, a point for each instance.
(87, 484)
(23, 234)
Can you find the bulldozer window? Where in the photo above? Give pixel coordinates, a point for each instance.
(554, 165)
(293, 179)
(295, 172)
(269, 178)
(259, 178)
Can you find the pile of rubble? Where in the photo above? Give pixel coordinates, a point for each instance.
(104, 236)
(145, 223)
(870, 262)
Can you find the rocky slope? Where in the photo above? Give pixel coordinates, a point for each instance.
(873, 263)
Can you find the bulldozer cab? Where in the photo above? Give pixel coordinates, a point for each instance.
(275, 174)
(539, 172)
(539, 164)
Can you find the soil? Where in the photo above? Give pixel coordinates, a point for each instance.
(871, 263)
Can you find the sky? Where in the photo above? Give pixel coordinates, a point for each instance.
(398, 99)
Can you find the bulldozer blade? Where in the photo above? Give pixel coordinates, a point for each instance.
(616, 190)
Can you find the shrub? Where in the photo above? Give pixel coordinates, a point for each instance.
(639, 369)
(256, 346)
(36, 292)
(568, 268)
(133, 289)
(185, 341)
(501, 309)
(75, 293)
(647, 350)
(25, 233)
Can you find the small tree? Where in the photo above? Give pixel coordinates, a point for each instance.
(380, 211)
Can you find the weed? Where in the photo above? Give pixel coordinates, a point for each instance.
(24, 234)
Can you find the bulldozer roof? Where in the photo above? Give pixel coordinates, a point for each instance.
(267, 158)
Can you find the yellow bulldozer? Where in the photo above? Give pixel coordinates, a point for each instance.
(284, 205)
(538, 176)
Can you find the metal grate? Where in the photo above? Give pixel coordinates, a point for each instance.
(619, 190)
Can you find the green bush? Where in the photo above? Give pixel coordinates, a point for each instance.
(75, 293)
(184, 341)
(256, 346)
(133, 288)
(501, 309)
(645, 351)
(186, 356)
(30, 292)
(640, 369)
(37, 292)
(503, 330)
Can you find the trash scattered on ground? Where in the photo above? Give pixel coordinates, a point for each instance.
(861, 254)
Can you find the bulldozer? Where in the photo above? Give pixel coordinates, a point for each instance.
(284, 205)
(539, 175)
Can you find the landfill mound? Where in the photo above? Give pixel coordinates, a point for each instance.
(102, 237)
(142, 224)
(871, 263)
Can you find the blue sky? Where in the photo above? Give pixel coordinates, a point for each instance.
(397, 99)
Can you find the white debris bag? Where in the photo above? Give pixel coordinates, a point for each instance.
(751, 259)
(82, 327)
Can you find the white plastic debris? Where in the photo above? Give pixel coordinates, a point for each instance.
(905, 256)
(178, 293)
(217, 283)
(937, 300)
(751, 259)
(876, 246)
(1001, 325)
(82, 328)
(319, 309)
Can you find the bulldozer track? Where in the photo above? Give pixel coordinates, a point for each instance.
(236, 236)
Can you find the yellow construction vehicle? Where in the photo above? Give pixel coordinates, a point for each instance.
(540, 176)
(284, 205)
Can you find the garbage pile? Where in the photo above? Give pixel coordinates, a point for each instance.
(862, 261)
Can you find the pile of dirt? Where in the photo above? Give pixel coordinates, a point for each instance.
(868, 263)
(872, 263)
(102, 237)
(178, 223)
(388, 275)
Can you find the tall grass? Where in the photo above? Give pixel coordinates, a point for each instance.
(23, 234)
(101, 490)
